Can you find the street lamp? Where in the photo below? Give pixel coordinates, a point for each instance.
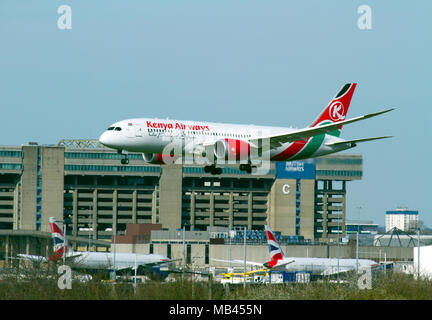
(90, 227)
(244, 264)
(338, 249)
(357, 237)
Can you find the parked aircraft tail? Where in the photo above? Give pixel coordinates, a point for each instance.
(58, 238)
(276, 252)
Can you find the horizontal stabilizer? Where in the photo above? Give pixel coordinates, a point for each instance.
(339, 143)
(30, 257)
(278, 266)
(253, 263)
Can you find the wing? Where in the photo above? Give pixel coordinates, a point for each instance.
(145, 265)
(252, 263)
(303, 134)
(30, 257)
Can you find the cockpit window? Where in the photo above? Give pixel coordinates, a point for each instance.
(117, 129)
(110, 128)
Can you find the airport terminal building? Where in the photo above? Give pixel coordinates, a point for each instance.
(84, 184)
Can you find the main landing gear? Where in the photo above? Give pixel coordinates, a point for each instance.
(247, 167)
(212, 169)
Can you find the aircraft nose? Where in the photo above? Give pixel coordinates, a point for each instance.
(104, 139)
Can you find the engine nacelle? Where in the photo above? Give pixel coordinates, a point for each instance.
(158, 158)
(232, 149)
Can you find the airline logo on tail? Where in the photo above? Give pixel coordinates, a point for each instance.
(337, 109)
(58, 240)
(276, 253)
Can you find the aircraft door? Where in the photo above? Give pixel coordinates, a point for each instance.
(130, 130)
(138, 131)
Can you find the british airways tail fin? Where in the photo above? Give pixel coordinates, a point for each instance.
(276, 252)
(58, 238)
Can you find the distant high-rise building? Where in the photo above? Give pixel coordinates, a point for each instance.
(402, 218)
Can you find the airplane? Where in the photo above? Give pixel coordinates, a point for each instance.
(98, 261)
(318, 267)
(164, 141)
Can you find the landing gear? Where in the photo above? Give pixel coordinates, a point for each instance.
(247, 167)
(213, 170)
(125, 160)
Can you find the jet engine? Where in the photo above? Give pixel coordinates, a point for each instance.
(158, 158)
(232, 149)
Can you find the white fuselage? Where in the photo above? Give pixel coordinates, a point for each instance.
(155, 135)
(117, 261)
(322, 266)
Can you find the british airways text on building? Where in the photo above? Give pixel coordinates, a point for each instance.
(300, 169)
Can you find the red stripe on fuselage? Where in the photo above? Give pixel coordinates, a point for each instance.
(291, 151)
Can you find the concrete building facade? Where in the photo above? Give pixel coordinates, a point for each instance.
(85, 185)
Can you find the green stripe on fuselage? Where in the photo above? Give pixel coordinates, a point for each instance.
(310, 148)
(314, 143)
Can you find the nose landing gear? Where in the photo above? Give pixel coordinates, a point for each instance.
(213, 170)
(125, 160)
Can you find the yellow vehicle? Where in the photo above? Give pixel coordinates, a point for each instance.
(254, 276)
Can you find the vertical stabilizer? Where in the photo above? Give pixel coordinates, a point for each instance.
(276, 252)
(58, 241)
(337, 109)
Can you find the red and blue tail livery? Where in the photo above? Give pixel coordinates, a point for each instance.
(59, 246)
(276, 252)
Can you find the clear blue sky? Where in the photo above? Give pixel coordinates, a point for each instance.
(262, 62)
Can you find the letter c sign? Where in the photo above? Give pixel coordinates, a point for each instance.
(286, 189)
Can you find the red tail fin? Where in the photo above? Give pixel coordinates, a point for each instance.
(337, 108)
